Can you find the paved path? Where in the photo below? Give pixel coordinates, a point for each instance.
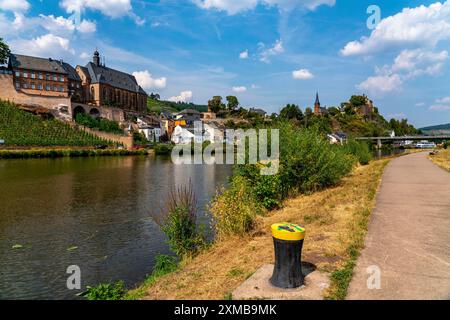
(409, 234)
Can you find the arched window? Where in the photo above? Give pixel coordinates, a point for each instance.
(92, 93)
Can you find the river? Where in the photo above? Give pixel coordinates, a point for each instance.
(95, 213)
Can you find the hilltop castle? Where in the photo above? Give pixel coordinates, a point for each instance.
(65, 91)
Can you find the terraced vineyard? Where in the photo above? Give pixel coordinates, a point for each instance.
(19, 128)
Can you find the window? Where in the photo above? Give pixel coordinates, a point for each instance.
(48, 88)
(33, 76)
(55, 88)
(55, 77)
(17, 73)
(61, 88)
(17, 85)
(25, 74)
(78, 86)
(61, 78)
(40, 76)
(40, 86)
(33, 86)
(25, 85)
(47, 77)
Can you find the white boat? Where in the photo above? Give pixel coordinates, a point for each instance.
(425, 145)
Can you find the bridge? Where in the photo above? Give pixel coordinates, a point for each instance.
(379, 140)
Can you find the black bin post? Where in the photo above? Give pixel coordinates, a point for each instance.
(288, 242)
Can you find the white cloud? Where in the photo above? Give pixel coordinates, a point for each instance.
(85, 56)
(48, 45)
(185, 96)
(110, 8)
(421, 26)
(14, 5)
(419, 62)
(443, 100)
(243, 55)
(254, 86)
(381, 84)
(87, 26)
(419, 104)
(439, 107)
(397, 116)
(146, 81)
(237, 6)
(239, 89)
(302, 74)
(409, 64)
(266, 54)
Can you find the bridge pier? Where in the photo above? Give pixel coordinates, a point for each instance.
(379, 144)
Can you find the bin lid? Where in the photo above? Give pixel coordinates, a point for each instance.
(288, 231)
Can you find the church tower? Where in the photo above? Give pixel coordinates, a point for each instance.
(317, 110)
(96, 58)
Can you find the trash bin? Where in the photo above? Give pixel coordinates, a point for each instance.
(288, 243)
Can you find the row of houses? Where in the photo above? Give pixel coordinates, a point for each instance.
(180, 127)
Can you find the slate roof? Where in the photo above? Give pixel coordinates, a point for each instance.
(72, 73)
(36, 64)
(114, 78)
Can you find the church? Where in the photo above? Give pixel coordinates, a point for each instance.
(103, 86)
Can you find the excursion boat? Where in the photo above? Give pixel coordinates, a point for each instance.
(425, 145)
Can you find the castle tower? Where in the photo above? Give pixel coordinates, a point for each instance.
(317, 105)
(96, 58)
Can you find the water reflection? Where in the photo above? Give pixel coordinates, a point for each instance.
(101, 206)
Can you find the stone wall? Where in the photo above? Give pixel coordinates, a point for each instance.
(127, 141)
(9, 92)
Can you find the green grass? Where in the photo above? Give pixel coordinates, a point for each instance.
(160, 105)
(19, 128)
(164, 265)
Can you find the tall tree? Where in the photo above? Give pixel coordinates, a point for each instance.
(4, 52)
(291, 111)
(233, 103)
(215, 104)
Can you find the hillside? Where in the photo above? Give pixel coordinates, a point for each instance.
(157, 106)
(445, 127)
(19, 128)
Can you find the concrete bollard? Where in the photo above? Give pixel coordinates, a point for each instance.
(288, 242)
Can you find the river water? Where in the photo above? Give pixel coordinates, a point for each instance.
(95, 213)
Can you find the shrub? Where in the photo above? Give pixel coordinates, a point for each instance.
(360, 150)
(98, 123)
(308, 162)
(163, 149)
(106, 291)
(179, 222)
(234, 210)
(164, 264)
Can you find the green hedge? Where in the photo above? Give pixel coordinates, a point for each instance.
(45, 153)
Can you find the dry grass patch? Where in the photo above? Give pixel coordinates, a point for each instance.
(335, 221)
(442, 159)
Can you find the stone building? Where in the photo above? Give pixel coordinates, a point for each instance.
(103, 86)
(64, 90)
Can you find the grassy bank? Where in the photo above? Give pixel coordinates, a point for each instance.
(442, 159)
(336, 220)
(61, 153)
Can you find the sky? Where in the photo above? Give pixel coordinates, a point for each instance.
(266, 52)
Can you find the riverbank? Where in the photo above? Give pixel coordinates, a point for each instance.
(62, 153)
(336, 221)
(442, 159)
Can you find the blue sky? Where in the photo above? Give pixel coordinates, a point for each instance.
(266, 52)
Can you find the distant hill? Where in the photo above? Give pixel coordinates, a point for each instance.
(157, 106)
(437, 128)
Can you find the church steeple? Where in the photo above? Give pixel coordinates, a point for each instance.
(317, 99)
(317, 105)
(96, 58)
